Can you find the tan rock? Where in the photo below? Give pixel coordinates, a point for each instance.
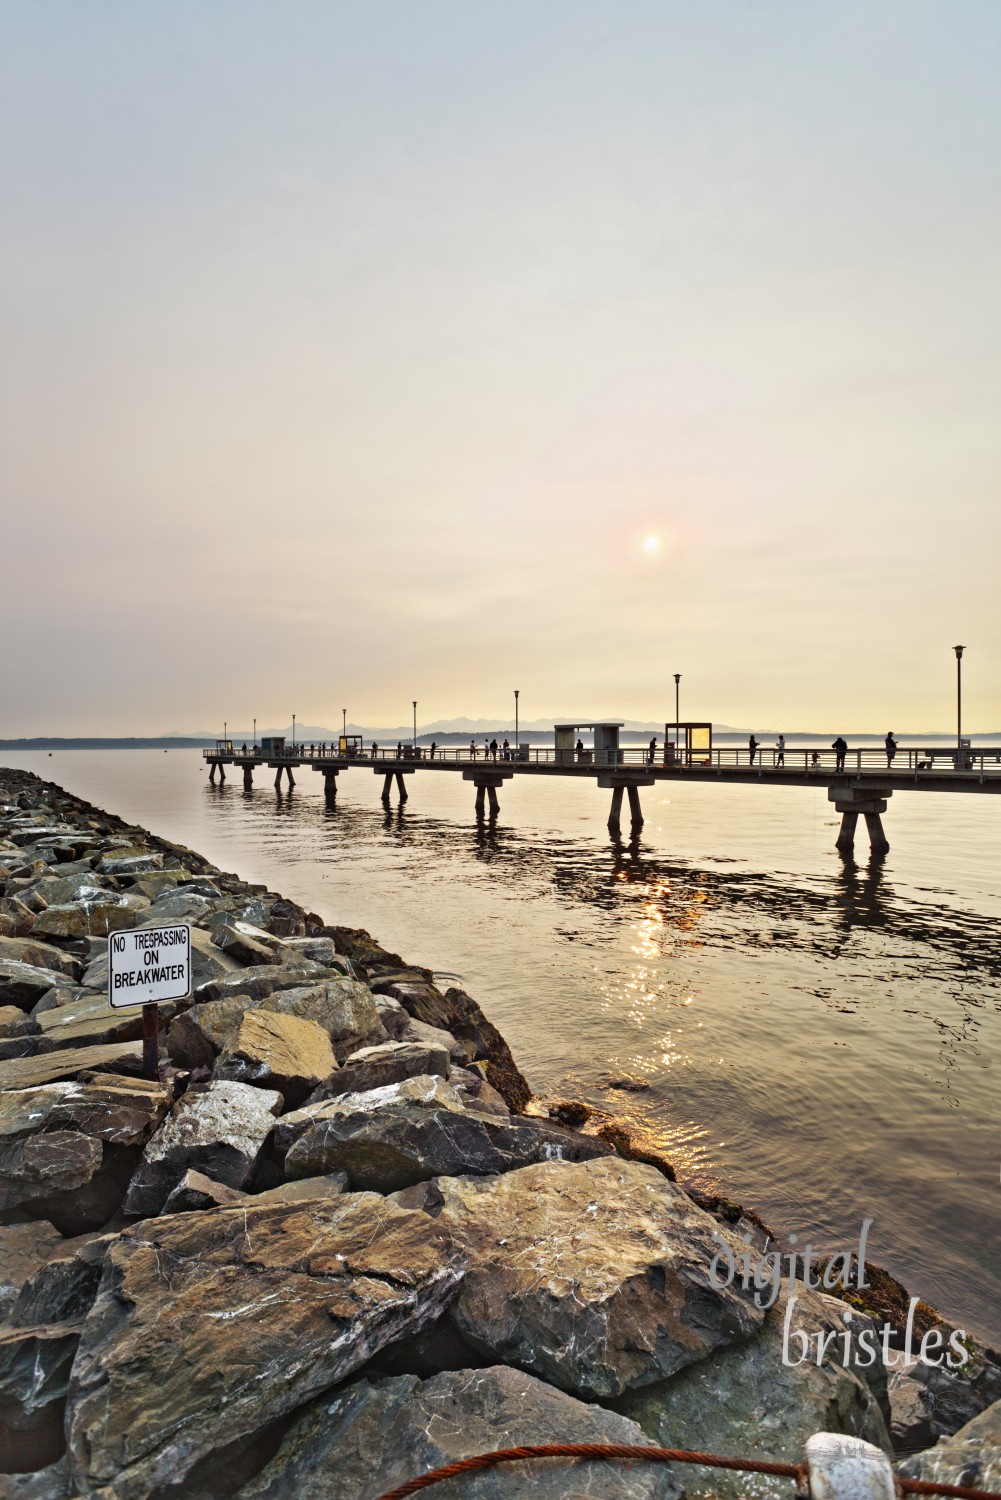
(284, 1052)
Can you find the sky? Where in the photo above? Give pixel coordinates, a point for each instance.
(358, 353)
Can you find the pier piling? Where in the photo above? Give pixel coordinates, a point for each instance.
(855, 802)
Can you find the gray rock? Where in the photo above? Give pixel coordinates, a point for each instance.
(14, 1022)
(219, 1130)
(127, 862)
(474, 1091)
(932, 1401)
(304, 1189)
(367, 1438)
(404, 1133)
(373, 1067)
(63, 889)
(593, 1275)
(195, 1191)
(36, 1168)
(393, 1017)
(750, 1398)
(83, 918)
(262, 1308)
(971, 1456)
(89, 1020)
(39, 955)
(247, 944)
(121, 1111)
(319, 950)
(261, 981)
(284, 1052)
(23, 1248)
(422, 1035)
(28, 1072)
(51, 1483)
(24, 985)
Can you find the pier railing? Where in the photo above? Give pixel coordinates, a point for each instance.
(765, 760)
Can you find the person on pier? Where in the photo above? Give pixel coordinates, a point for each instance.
(375, 750)
(472, 749)
(579, 749)
(780, 751)
(506, 750)
(434, 748)
(493, 749)
(891, 750)
(652, 751)
(752, 748)
(840, 748)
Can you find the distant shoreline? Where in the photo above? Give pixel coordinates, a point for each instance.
(532, 737)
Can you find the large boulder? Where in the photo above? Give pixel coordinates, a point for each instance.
(23, 1248)
(37, 1169)
(971, 1457)
(219, 1130)
(245, 943)
(343, 1007)
(87, 1019)
(28, 1072)
(122, 1111)
(209, 1326)
(24, 984)
(259, 981)
(756, 1398)
(195, 1191)
(390, 1062)
(593, 1275)
(932, 1401)
(81, 918)
(369, 1437)
(404, 1133)
(277, 1051)
(28, 950)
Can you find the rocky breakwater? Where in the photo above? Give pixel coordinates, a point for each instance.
(327, 1248)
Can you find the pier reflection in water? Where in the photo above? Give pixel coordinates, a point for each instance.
(818, 1039)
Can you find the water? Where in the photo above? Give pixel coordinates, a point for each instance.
(820, 1040)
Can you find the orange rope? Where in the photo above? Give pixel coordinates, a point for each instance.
(657, 1456)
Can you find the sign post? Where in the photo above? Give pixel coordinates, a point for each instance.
(148, 966)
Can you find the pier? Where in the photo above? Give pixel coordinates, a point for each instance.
(859, 788)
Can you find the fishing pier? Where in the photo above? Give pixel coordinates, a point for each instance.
(859, 783)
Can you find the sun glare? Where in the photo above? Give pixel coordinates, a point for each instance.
(651, 545)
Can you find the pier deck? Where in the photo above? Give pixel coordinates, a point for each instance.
(860, 789)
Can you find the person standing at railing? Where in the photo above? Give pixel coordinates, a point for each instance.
(472, 749)
(652, 751)
(752, 748)
(840, 748)
(891, 750)
(780, 751)
(434, 747)
(506, 750)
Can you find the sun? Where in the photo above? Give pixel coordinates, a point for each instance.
(651, 545)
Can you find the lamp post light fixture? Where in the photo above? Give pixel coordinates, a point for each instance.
(415, 723)
(677, 714)
(959, 700)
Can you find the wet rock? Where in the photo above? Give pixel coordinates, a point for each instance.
(393, 1017)
(28, 1072)
(262, 1308)
(305, 1188)
(971, 1457)
(24, 985)
(389, 1138)
(23, 1248)
(286, 920)
(195, 1191)
(344, 1008)
(84, 918)
(277, 1051)
(369, 1437)
(35, 1168)
(40, 955)
(219, 1130)
(63, 889)
(373, 1067)
(319, 950)
(594, 1275)
(751, 1398)
(458, 1013)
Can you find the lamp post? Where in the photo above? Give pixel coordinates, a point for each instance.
(516, 691)
(293, 734)
(959, 702)
(677, 714)
(225, 733)
(344, 727)
(415, 723)
(255, 736)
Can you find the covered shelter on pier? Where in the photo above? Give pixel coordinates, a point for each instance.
(605, 750)
(688, 744)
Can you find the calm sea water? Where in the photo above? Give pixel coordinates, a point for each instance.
(821, 1041)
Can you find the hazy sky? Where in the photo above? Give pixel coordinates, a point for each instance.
(350, 352)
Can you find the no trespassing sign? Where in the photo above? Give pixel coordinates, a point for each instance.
(148, 965)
